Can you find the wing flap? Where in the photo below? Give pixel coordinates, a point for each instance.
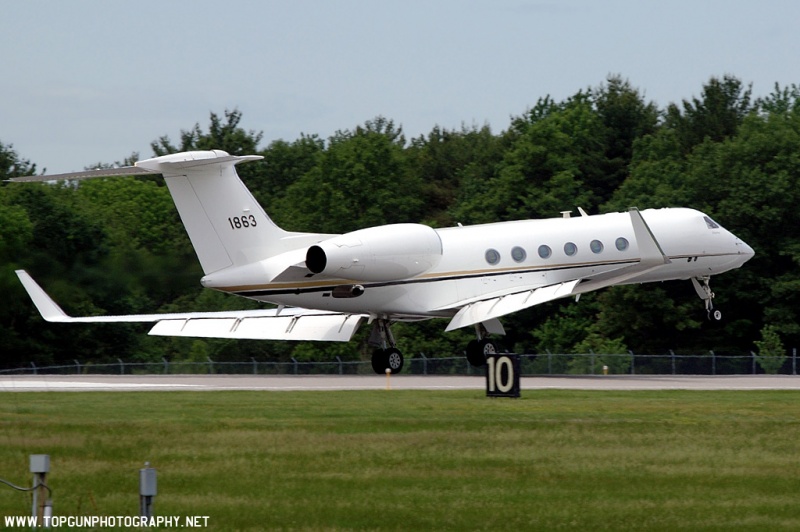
(320, 327)
(495, 307)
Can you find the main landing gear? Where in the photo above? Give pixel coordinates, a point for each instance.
(703, 289)
(478, 349)
(387, 356)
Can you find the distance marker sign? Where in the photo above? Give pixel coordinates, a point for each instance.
(502, 375)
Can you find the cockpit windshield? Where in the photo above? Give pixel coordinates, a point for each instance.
(711, 223)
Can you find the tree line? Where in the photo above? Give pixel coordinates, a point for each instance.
(117, 246)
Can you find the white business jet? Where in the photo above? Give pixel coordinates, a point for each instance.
(326, 285)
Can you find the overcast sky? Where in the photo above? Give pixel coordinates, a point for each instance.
(88, 81)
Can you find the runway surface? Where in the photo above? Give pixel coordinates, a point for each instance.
(63, 383)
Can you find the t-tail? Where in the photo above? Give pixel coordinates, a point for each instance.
(226, 225)
(224, 221)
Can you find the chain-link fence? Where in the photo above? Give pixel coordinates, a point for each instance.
(538, 364)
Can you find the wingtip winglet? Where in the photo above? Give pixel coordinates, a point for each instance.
(48, 308)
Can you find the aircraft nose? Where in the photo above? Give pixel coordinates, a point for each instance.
(745, 251)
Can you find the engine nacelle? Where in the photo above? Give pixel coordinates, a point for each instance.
(383, 253)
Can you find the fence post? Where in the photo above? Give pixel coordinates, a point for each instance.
(672, 357)
(794, 361)
(40, 466)
(633, 362)
(148, 489)
(424, 363)
(754, 362)
(255, 366)
(210, 365)
(294, 363)
(341, 369)
(166, 365)
(121, 366)
(35, 371)
(77, 367)
(549, 362)
(713, 363)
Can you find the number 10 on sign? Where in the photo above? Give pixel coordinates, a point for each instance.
(502, 375)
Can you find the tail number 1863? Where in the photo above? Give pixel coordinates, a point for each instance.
(242, 222)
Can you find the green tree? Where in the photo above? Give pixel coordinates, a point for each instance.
(555, 156)
(716, 115)
(627, 118)
(16, 234)
(603, 351)
(12, 165)
(16, 231)
(222, 134)
(361, 180)
(445, 158)
(285, 163)
(771, 353)
(656, 176)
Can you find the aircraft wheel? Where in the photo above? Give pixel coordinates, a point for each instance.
(474, 355)
(488, 347)
(394, 360)
(380, 361)
(478, 349)
(383, 359)
(717, 315)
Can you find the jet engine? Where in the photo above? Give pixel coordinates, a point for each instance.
(382, 253)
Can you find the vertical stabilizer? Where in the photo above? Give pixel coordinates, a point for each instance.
(224, 221)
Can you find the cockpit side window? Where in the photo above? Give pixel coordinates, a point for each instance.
(711, 223)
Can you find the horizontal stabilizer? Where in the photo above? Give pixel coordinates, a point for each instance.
(86, 174)
(495, 307)
(170, 164)
(179, 165)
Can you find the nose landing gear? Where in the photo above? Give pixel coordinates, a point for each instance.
(703, 289)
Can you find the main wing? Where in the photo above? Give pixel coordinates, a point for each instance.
(265, 324)
(493, 305)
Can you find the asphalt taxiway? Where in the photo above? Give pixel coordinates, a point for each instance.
(64, 383)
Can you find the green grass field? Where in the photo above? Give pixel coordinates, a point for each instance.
(411, 460)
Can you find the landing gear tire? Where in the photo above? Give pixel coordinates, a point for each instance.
(478, 349)
(394, 360)
(715, 315)
(383, 359)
